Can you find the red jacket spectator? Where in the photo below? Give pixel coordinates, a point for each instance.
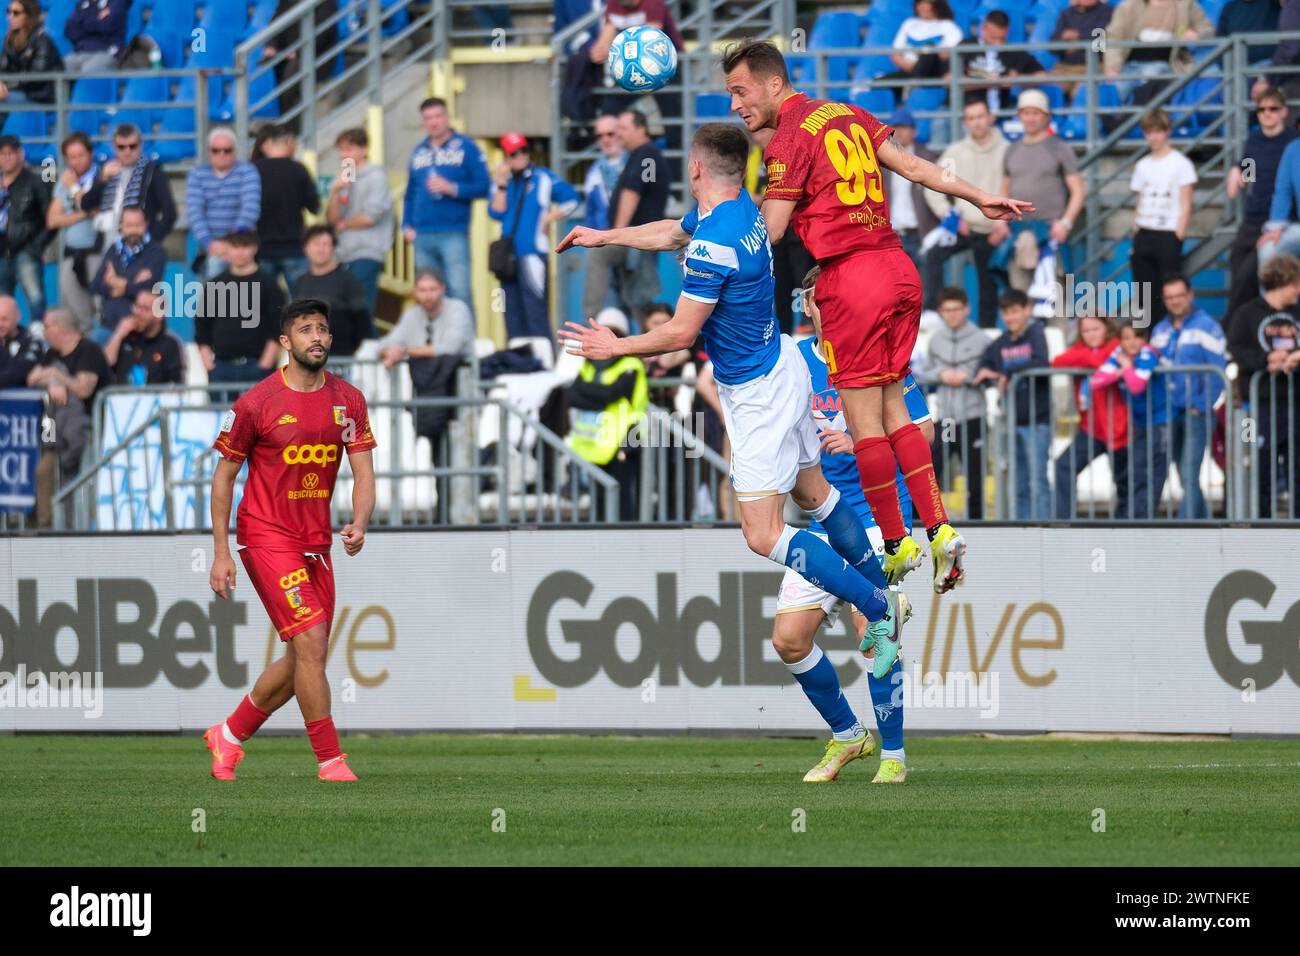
(1103, 413)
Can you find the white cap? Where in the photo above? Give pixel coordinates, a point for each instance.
(614, 319)
(1034, 100)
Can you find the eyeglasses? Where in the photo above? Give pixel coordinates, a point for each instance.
(518, 152)
(1268, 109)
(126, 146)
(221, 149)
(609, 135)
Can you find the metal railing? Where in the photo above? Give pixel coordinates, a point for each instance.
(1270, 439)
(515, 22)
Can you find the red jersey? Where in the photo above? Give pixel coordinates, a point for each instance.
(823, 157)
(293, 442)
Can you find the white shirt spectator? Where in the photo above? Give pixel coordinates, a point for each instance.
(1157, 183)
(450, 332)
(918, 36)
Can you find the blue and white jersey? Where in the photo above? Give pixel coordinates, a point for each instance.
(841, 470)
(728, 264)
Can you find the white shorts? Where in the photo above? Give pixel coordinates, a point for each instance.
(797, 594)
(769, 422)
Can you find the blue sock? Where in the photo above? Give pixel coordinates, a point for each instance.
(816, 675)
(809, 555)
(848, 536)
(887, 700)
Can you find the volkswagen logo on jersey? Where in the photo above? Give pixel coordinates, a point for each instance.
(310, 454)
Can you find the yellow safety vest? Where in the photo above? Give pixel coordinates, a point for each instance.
(598, 435)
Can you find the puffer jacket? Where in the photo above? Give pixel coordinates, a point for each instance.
(40, 55)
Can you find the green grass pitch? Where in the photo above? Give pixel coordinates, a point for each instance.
(658, 801)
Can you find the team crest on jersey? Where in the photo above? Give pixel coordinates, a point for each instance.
(340, 413)
(228, 421)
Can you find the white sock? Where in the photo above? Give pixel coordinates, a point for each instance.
(898, 755)
(230, 738)
(853, 733)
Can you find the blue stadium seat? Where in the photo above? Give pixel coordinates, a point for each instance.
(1076, 127)
(28, 126)
(839, 28)
(218, 53)
(179, 119)
(260, 87)
(56, 16)
(803, 71)
(878, 102)
(927, 100)
(174, 44)
(1042, 33)
(137, 103)
(264, 9)
(135, 18)
(395, 22)
(172, 15)
(225, 15)
(101, 95)
(963, 13)
(712, 105)
(1188, 121)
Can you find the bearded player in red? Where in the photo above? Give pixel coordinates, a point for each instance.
(292, 428)
(826, 165)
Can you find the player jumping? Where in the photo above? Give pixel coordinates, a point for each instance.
(802, 607)
(291, 428)
(766, 394)
(826, 165)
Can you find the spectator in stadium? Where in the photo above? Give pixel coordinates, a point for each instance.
(433, 325)
(602, 177)
(1041, 168)
(1264, 339)
(668, 364)
(222, 196)
(133, 262)
(360, 208)
(953, 358)
(979, 158)
(991, 73)
(237, 327)
(1079, 21)
(1262, 156)
(1103, 418)
(27, 49)
(130, 180)
(72, 371)
(19, 348)
(329, 280)
(1189, 336)
(1129, 368)
(920, 41)
(97, 31)
(142, 350)
(526, 201)
(1163, 180)
(287, 191)
(1281, 232)
(24, 199)
(908, 212)
(82, 245)
(611, 397)
(446, 174)
(1022, 347)
(1250, 16)
(1287, 53)
(640, 196)
(1163, 27)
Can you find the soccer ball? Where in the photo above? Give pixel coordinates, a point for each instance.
(642, 59)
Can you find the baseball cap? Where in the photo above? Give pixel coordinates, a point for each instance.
(1033, 100)
(513, 142)
(902, 117)
(613, 318)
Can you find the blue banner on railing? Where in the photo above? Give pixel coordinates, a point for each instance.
(20, 447)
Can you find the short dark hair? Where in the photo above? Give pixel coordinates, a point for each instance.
(655, 307)
(724, 150)
(1173, 279)
(244, 239)
(979, 102)
(1273, 94)
(126, 129)
(10, 141)
(1281, 270)
(1139, 326)
(356, 136)
(431, 101)
(998, 18)
(300, 307)
(433, 274)
(950, 293)
(1157, 119)
(133, 208)
(638, 118)
(320, 229)
(76, 136)
(1013, 298)
(763, 58)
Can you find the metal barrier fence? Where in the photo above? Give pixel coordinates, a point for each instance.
(1269, 432)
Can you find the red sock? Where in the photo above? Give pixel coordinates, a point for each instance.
(247, 718)
(913, 454)
(877, 469)
(324, 738)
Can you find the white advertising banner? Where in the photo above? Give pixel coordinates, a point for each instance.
(1179, 631)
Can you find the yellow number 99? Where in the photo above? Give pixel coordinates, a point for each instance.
(855, 162)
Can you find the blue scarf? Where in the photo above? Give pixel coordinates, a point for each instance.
(128, 253)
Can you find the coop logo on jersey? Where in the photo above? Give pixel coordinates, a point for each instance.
(297, 576)
(310, 454)
(1273, 632)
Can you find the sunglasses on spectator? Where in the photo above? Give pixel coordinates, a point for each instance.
(126, 146)
(518, 152)
(1268, 109)
(221, 149)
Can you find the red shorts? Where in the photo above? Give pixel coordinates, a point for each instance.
(296, 589)
(870, 305)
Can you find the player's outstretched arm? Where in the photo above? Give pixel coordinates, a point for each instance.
(594, 341)
(777, 213)
(222, 577)
(927, 174)
(362, 464)
(662, 236)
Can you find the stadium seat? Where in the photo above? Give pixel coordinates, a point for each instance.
(712, 105)
(135, 18)
(879, 102)
(803, 71)
(1042, 33)
(28, 125)
(177, 120)
(139, 96)
(394, 21)
(925, 100)
(1187, 120)
(172, 15)
(102, 93)
(224, 15)
(260, 86)
(56, 16)
(174, 45)
(836, 29)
